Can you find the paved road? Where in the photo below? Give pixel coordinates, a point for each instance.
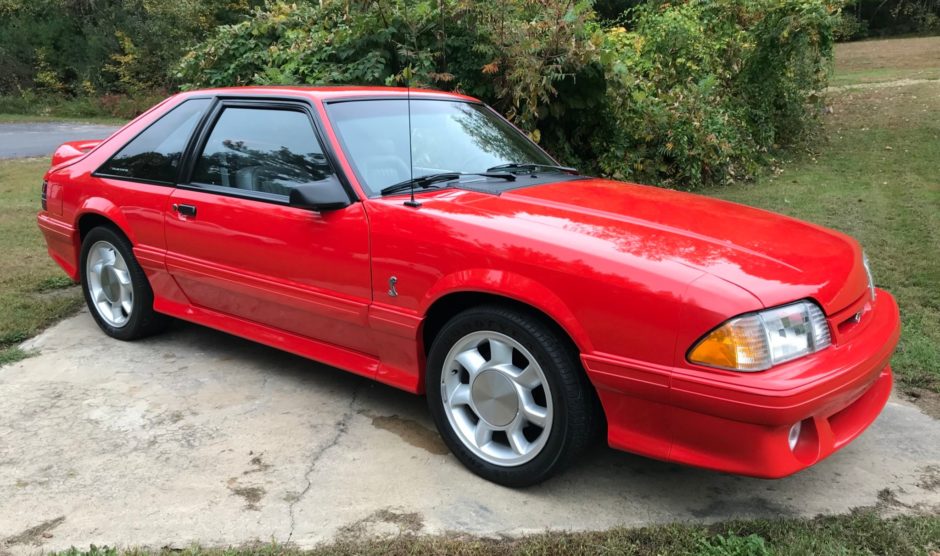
(195, 435)
(41, 139)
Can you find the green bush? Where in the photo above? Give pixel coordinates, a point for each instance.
(118, 106)
(82, 48)
(513, 54)
(693, 93)
(733, 545)
(699, 92)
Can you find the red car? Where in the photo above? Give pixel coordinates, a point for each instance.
(418, 238)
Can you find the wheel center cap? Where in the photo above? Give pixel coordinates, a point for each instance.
(110, 284)
(495, 398)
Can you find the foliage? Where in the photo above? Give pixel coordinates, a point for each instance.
(86, 47)
(849, 27)
(733, 545)
(118, 107)
(693, 94)
(880, 18)
(512, 54)
(700, 92)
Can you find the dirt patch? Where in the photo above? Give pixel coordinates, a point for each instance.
(930, 478)
(926, 400)
(889, 505)
(412, 432)
(879, 85)
(34, 535)
(258, 465)
(251, 494)
(383, 523)
(913, 53)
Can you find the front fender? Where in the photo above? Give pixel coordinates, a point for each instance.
(513, 286)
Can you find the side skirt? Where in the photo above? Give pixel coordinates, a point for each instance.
(347, 360)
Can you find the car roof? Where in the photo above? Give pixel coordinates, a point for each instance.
(331, 92)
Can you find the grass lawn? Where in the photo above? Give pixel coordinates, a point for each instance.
(30, 118)
(34, 292)
(859, 533)
(877, 178)
(886, 60)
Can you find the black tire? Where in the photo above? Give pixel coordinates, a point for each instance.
(575, 415)
(142, 320)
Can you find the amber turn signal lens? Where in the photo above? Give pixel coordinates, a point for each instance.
(758, 341)
(738, 344)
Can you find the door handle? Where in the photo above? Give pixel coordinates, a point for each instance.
(185, 210)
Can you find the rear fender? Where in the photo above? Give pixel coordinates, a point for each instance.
(104, 208)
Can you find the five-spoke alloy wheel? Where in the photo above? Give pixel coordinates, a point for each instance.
(109, 284)
(116, 289)
(508, 395)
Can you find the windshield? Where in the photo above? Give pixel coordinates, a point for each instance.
(446, 136)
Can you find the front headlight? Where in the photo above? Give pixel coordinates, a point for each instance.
(758, 341)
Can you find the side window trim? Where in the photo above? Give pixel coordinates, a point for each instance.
(199, 140)
(184, 157)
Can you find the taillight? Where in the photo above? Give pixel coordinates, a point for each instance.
(45, 186)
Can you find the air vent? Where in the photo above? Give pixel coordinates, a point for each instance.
(45, 186)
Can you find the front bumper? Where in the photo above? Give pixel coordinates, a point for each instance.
(739, 422)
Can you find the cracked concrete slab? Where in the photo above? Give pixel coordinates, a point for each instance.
(197, 436)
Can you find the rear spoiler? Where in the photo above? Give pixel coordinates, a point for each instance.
(72, 150)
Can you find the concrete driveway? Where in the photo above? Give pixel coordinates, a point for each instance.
(42, 138)
(195, 435)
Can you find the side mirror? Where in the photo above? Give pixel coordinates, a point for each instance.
(326, 194)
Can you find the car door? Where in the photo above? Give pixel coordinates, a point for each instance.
(234, 244)
(139, 177)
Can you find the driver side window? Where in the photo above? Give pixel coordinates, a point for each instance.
(263, 150)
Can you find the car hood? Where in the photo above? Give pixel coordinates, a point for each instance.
(776, 258)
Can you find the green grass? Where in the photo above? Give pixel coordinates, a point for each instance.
(30, 118)
(877, 178)
(857, 533)
(34, 292)
(30, 107)
(881, 75)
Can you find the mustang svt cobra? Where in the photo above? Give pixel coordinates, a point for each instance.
(417, 238)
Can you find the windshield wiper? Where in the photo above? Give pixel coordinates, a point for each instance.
(533, 166)
(425, 182)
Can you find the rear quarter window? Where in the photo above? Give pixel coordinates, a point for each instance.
(154, 155)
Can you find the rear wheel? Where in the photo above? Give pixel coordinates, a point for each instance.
(508, 395)
(116, 289)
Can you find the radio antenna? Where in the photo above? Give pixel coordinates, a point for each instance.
(411, 164)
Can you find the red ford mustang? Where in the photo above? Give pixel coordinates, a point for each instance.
(531, 304)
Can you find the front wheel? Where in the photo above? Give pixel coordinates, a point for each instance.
(116, 289)
(508, 395)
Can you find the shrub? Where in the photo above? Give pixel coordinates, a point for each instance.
(699, 92)
(694, 93)
(511, 54)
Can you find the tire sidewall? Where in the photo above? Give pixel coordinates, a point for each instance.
(545, 463)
